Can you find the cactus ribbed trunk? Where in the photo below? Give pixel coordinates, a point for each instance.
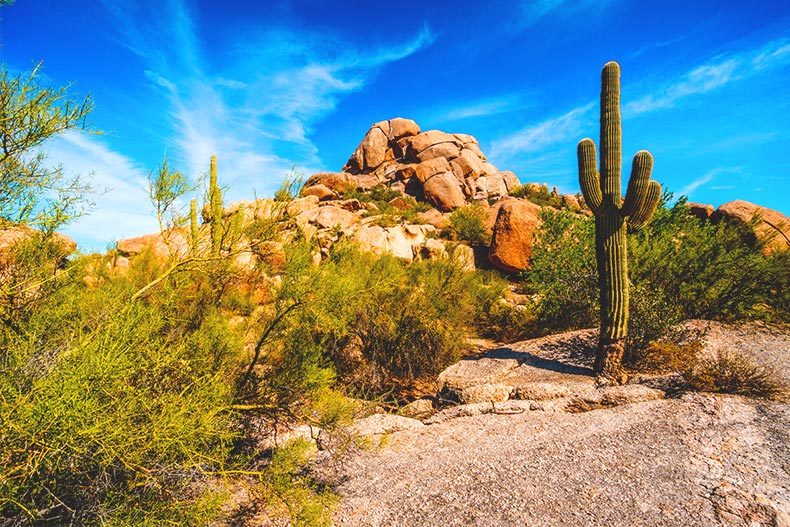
(194, 233)
(613, 218)
(215, 204)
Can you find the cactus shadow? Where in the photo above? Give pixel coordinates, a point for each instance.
(573, 354)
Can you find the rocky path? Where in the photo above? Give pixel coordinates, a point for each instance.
(524, 450)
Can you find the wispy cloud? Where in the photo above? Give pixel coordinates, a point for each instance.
(707, 177)
(540, 136)
(707, 77)
(120, 205)
(535, 10)
(487, 107)
(255, 108)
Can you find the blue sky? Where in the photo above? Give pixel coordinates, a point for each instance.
(271, 84)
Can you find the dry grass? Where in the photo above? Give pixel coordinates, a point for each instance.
(730, 372)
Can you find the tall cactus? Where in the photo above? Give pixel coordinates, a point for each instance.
(613, 217)
(194, 232)
(215, 207)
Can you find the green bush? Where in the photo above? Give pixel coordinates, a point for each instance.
(563, 276)
(680, 267)
(467, 224)
(540, 196)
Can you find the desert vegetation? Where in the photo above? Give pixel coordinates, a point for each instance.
(144, 391)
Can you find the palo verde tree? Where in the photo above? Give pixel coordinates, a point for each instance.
(613, 218)
(31, 191)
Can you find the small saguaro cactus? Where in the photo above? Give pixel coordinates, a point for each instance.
(613, 218)
(194, 232)
(215, 207)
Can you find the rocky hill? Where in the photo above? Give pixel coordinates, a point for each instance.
(398, 190)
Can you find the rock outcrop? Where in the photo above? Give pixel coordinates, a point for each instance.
(442, 168)
(511, 243)
(12, 234)
(772, 227)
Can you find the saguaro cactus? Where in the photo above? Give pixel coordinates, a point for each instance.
(613, 217)
(194, 233)
(215, 207)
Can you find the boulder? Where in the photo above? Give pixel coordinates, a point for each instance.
(443, 150)
(468, 164)
(418, 409)
(434, 217)
(774, 227)
(400, 127)
(511, 180)
(427, 169)
(444, 192)
(495, 186)
(399, 203)
(337, 181)
(465, 256)
(321, 191)
(702, 211)
(511, 243)
(404, 240)
(424, 140)
(371, 238)
(171, 243)
(11, 234)
(300, 205)
(571, 202)
(433, 249)
(329, 217)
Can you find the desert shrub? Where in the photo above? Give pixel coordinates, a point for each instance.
(110, 417)
(679, 266)
(735, 373)
(289, 188)
(540, 195)
(713, 371)
(467, 224)
(708, 271)
(384, 324)
(563, 276)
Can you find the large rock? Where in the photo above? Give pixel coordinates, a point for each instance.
(298, 206)
(400, 127)
(511, 243)
(427, 169)
(427, 139)
(169, 244)
(329, 217)
(774, 226)
(12, 234)
(372, 238)
(702, 211)
(444, 192)
(322, 192)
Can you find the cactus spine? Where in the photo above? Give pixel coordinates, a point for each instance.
(215, 205)
(613, 217)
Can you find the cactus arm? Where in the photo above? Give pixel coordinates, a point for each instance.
(589, 179)
(638, 183)
(644, 213)
(611, 135)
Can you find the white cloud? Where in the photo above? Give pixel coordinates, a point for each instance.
(707, 177)
(122, 208)
(542, 135)
(479, 108)
(256, 107)
(708, 77)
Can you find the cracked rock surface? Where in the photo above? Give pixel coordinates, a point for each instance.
(634, 460)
